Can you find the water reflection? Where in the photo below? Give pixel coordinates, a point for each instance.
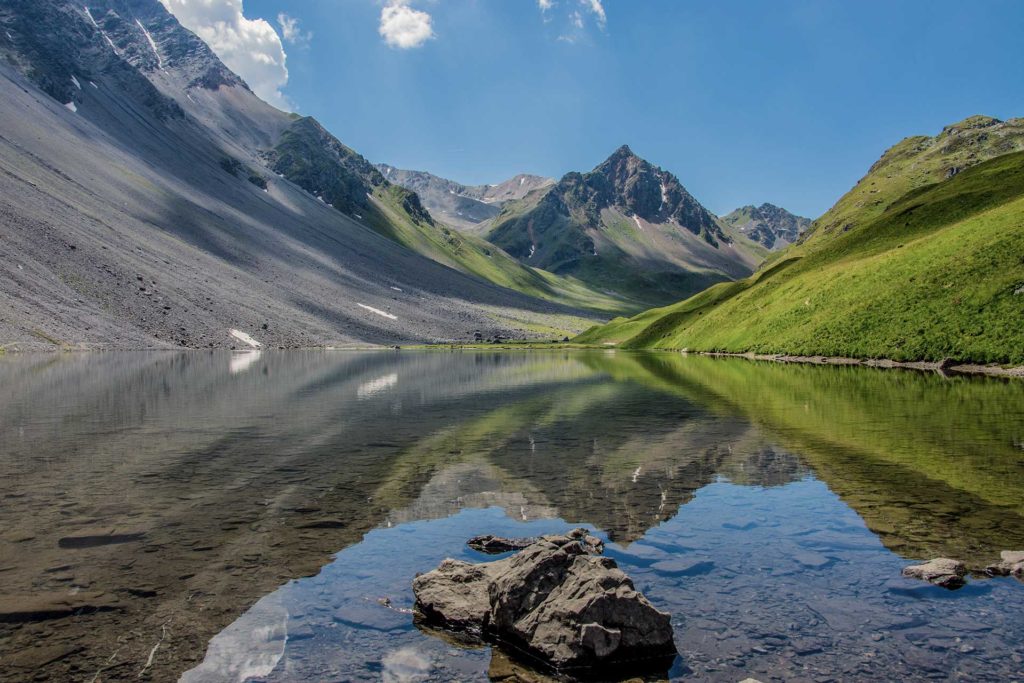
(189, 486)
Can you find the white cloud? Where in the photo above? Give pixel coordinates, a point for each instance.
(545, 5)
(597, 9)
(291, 32)
(577, 19)
(249, 47)
(404, 27)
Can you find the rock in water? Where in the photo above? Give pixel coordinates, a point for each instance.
(455, 595)
(941, 572)
(1011, 564)
(555, 602)
(494, 545)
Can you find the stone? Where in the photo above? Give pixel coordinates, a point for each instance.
(690, 566)
(455, 595)
(811, 559)
(941, 571)
(554, 602)
(494, 545)
(55, 605)
(1011, 564)
(372, 615)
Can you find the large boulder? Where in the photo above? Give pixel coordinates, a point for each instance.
(555, 602)
(941, 571)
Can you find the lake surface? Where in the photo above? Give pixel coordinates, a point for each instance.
(232, 517)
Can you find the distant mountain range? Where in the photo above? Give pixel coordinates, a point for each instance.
(768, 225)
(920, 260)
(464, 207)
(626, 227)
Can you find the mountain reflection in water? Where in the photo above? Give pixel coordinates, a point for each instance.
(168, 493)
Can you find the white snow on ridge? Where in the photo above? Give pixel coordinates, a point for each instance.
(152, 44)
(664, 196)
(379, 312)
(97, 27)
(75, 81)
(521, 181)
(94, 85)
(397, 289)
(71, 107)
(533, 250)
(636, 220)
(245, 339)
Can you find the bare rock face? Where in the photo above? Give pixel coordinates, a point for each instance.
(941, 572)
(1011, 564)
(455, 595)
(555, 602)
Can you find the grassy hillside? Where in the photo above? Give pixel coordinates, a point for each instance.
(938, 273)
(917, 162)
(473, 255)
(315, 160)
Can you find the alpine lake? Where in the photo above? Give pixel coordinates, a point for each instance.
(211, 517)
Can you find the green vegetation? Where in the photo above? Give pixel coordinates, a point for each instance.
(918, 162)
(316, 161)
(473, 255)
(937, 272)
(884, 441)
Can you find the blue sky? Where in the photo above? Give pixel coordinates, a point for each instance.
(781, 101)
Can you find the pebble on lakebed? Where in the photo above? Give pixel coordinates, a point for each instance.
(556, 603)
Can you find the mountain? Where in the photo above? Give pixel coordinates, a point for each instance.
(932, 273)
(626, 227)
(150, 199)
(768, 225)
(916, 162)
(466, 208)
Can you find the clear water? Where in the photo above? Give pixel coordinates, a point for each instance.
(261, 517)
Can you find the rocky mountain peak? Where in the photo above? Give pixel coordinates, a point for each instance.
(768, 224)
(639, 188)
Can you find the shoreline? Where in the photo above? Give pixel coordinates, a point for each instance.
(946, 367)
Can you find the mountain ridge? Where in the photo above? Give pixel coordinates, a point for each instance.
(466, 208)
(136, 129)
(767, 224)
(626, 226)
(931, 274)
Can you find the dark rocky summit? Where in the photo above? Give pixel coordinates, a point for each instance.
(555, 603)
(769, 225)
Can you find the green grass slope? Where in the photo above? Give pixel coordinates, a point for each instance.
(939, 272)
(308, 155)
(916, 162)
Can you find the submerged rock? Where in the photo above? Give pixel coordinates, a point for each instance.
(1011, 564)
(555, 602)
(494, 545)
(941, 571)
